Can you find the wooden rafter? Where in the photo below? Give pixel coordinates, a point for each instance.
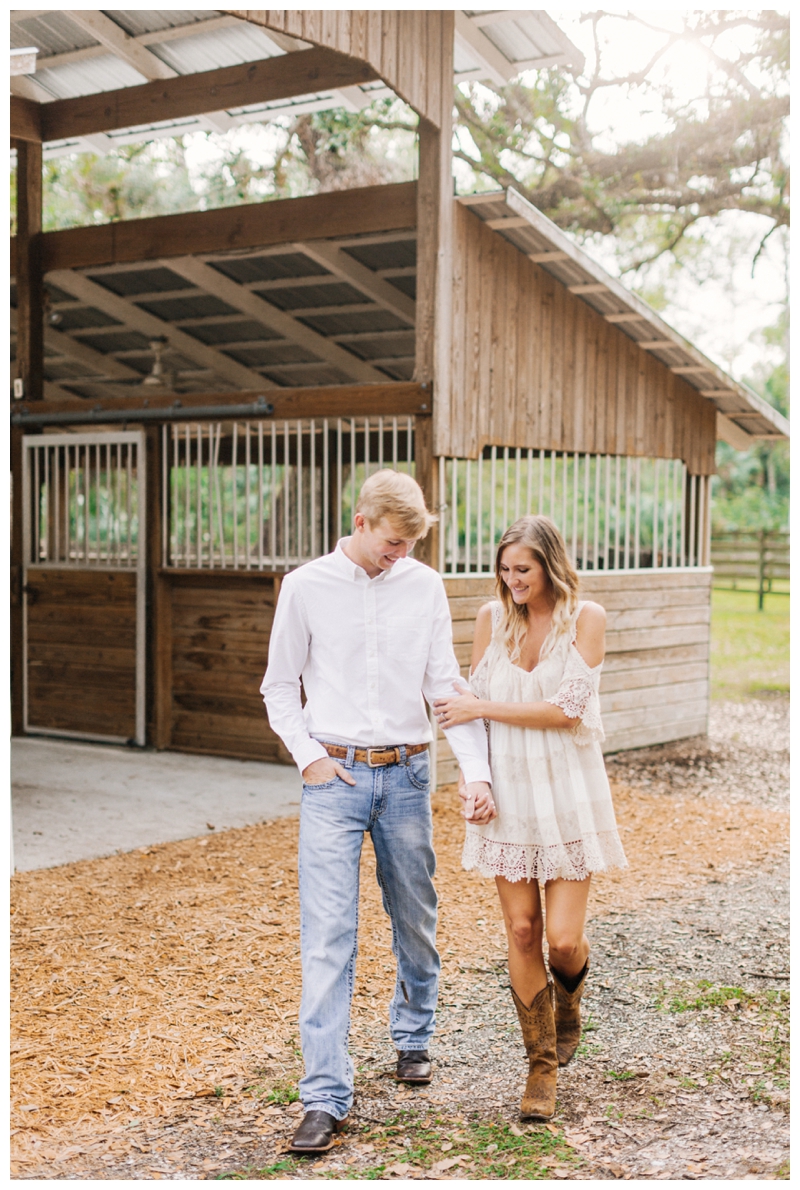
(345, 267)
(196, 94)
(229, 229)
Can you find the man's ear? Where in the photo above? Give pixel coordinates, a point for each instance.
(359, 520)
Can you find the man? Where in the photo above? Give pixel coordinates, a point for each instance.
(368, 629)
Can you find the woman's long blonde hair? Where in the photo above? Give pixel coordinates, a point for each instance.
(542, 538)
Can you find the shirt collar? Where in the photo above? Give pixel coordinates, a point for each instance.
(355, 572)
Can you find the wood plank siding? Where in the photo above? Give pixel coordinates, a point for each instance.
(534, 366)
(216, 630)
(81, 654)
(406, 47)
(655, 683)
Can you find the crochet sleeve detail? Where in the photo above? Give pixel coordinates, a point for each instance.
(578, 696)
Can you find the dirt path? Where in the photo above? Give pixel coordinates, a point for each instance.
(155, 1002)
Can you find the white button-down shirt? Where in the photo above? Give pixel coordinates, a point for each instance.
(367, 651)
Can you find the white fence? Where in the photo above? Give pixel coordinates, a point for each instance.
(614, 512)
(82, 500)
(269, 495)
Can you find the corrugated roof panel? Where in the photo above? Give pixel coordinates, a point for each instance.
(53, 33)
(201, 305)
(308, 376)
(116, 341)
(134, 281)
(389, 254)
(269, 268)
(210, 51)
(260, 356)
(216, 334)
(522, 37)
(106, 73)
(77, 317)
(355, 323)
(150, 20)
(338, 293)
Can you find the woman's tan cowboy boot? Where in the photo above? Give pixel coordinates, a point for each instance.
(539, 1034)
(568, 1015)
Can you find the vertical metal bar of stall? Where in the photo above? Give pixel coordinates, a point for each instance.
(235, 492)
(312, 486)
(596, 552)
(607, 514)
(97, 491)
(46, 535)
(575, 479)
(505, 488)
(326, 511)
(540, 505)
(564, 486)
(210, 487)
(410, 442)
(667, 511)
(492, 520)
(299, 477)
(380, 443)
(586, 480)
(366, 448)
(656, 481)
(442, 510)
(86, 491)
(529, 490)
(57, 504)
(394, 443)
(627, 548)
(198, 499)
(479, 517)
(454, 519)
(517, 484)
(617, 526)
(129, 503)
(338, 478)
(141, 588)
(261, 495)
(683, 515)
(353, 497)
(692, 513)
(247, 525)
(68, 504)
(637, 514)
(468, 518)
(273, 494)
(187, 454)
(675, 489)
(164, 495)
(118, 505)
(552, 485)
(704, 530)
(287, 489)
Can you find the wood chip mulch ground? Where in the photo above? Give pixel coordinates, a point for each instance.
(155, 997)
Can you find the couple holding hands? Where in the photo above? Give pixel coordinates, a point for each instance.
(367, 629)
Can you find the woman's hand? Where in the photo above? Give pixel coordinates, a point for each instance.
(479, 807)
(461, 708)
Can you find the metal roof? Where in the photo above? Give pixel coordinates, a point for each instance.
(302, 314)
(532, 233)
(87, 52)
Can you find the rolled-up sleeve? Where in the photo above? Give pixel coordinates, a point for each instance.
(468, 740)
(288, 653)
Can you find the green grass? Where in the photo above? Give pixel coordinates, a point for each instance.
(749, 648)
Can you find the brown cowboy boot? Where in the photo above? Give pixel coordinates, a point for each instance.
(539, 1034)
(568, 1015)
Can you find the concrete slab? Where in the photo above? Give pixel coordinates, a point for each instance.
(76, 801)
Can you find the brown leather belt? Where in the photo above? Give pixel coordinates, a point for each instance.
(375, 757)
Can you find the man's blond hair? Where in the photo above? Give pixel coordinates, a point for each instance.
(398, 498)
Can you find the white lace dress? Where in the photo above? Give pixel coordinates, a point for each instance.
(555, 817)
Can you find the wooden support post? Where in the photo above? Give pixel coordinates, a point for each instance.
(158, 642)
(434, 285)
(30, 298)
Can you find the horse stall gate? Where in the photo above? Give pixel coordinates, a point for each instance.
(84, 586)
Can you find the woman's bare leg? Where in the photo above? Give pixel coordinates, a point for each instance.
(566, 902)
(522, 913)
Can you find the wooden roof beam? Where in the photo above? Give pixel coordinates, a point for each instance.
(121, 44)
(212, 281)
(131, 317)
(207, 91)
(230, 229)
(345, 267)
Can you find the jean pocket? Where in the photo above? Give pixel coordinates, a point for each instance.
(419, 770)
(325, 785)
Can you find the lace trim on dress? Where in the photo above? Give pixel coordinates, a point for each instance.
(578, 697)
(530, 861)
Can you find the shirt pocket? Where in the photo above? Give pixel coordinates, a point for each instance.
(405, 638)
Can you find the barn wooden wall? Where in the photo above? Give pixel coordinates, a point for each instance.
(655, 682)
(214, 641)
(81, 633)
(534, 366)
(411, 50)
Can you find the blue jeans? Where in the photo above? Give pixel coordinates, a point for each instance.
(393, 804)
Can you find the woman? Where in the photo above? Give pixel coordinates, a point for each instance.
(536, 663)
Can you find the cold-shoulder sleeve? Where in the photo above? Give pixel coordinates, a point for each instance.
(578, 696)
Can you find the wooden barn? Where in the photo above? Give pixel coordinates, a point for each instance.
(197, 397)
